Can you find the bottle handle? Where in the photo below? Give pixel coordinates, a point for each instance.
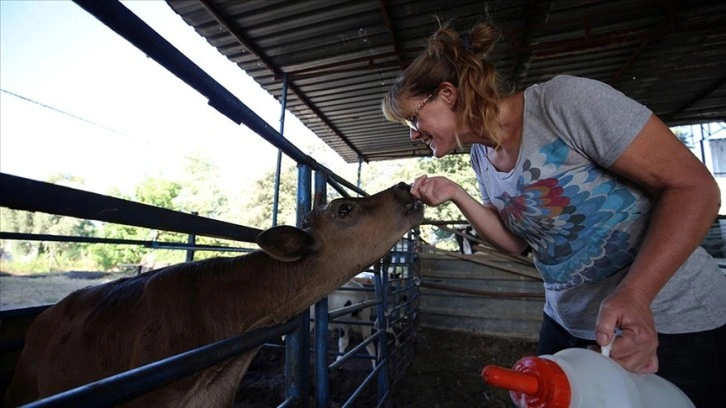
(605, 350)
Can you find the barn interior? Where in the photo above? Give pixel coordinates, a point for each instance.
(330, 62)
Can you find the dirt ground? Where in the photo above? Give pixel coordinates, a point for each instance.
(445, 371)
(18, 291)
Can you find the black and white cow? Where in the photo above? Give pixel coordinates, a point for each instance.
(466, 237)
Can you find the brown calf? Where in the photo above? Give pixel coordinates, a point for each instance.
(99, 331)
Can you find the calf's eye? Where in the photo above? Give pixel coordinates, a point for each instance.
(344, 210)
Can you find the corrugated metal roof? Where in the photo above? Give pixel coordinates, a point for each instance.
(340, 57)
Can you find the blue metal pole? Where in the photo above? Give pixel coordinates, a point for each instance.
(380, 282)
(278, 168)
(322, 380)
(297, 344)
(360, 167)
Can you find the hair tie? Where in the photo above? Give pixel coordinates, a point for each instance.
(466, 41)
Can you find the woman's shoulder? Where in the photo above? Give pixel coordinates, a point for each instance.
(572, 85)
(572, 92)
(569, 79)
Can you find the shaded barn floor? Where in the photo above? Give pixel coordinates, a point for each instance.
(445, 373)
(263, 385)
(446, 370)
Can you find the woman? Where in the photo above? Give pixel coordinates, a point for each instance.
(612, 204)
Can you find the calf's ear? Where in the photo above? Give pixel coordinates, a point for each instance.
(286, 243)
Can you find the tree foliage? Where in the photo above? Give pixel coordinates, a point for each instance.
(196, 191)
(257, 203)
(28, 256)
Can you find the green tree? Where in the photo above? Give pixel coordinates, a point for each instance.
(256, 208)
(43, 256)
(154, 191)
(200, 193)
(199, 190)
(196, 191)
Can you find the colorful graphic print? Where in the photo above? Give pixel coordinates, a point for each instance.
(576, 218)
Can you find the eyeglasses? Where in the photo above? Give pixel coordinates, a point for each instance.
(412, 121)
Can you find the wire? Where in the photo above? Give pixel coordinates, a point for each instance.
(84, 120)
(61, 111)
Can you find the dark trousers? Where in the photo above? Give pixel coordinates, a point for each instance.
(695, 362)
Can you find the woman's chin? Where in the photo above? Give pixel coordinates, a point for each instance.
(439, 153)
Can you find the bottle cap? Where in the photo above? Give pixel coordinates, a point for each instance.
(533, 382)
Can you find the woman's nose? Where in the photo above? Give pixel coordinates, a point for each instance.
(414, 134)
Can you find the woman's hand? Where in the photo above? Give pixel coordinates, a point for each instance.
(635, 347)
(434, 191)
(437, 190)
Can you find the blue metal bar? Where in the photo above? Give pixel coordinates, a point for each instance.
(351, 322)
(380, 281)
(134, 383)
(377, 335)
(320, 193)
(360, 167)
(363, 289)
(23, 312)
(296, 361)
(304, 192)
(297, 365)
(322, 379)
(93, 240)
(278, 166)
(382, 364)
(289, 402)
(352, 308)
(384, 402)
(336, 186)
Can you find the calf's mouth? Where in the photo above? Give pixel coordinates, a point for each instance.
(413, 206)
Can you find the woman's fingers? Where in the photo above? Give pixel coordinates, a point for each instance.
(416, 186)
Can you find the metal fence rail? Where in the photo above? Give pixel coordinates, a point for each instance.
(138, 381)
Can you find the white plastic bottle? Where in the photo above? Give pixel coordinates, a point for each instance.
(581, 378)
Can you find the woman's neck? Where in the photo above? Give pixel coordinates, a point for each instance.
(504, 156)
(511, 110)
(511, 117)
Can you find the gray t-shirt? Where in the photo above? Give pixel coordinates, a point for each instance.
(584, 223)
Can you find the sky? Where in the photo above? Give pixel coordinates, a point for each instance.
(79, 99)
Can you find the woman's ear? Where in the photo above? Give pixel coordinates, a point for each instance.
(448, 91)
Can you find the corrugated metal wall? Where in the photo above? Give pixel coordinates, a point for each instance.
(462, 294)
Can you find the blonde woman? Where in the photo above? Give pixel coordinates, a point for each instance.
(612, 204)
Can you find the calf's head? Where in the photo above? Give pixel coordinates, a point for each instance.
(360, 229)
